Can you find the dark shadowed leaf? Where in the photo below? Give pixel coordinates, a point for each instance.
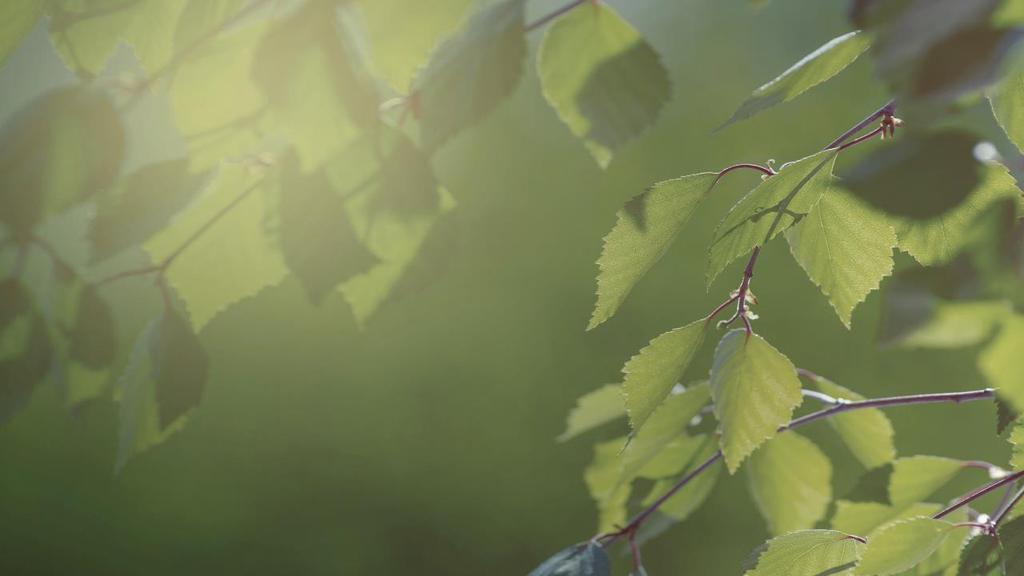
(873, 486)
(604, 80)
(470, 72)
(179, 368)
(584, 559)
(25, 347)
(141, 205)
(983, 556)
(1011, 534)
(813, 69)
(406, 181)
(93, 339)
(317, 239)
(1005, 416)
(903, 178)
(61, 149)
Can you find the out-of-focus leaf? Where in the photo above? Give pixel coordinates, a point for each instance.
(318, 91)
(690, 497)
(604, 80)
(199, 18)
(912, 481)
(1000, 362)
(807, 553)
(1011, 534)
(93, 336)
(1017, 440)
(983, 556)
(664, 427)
(401, 34)
(470, 72)
(64, 147)
(644, 229)
(317, 239)
(86, 33)
(17, 17)
(594, 409)
(776, 203)
(755, 390)
(873, 486)
(25, 347)
(901, 178)
(845, 248)
(867, 433)
(902, 545)
(218, 107)
(180, 369)
(1005, 416)
(915, 318)
(657, 367)
(232, 259)
(143, 203)
(584, 559)
(937, 240)
(1007, 99)
(813, 69)
(790, 479)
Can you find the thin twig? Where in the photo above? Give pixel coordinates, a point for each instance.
(972, 496)
(552, 15)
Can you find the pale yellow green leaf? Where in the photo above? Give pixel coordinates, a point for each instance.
(808, 553)
(790, 479)
(594, 409)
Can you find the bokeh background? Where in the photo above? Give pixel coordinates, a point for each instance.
(424, 443)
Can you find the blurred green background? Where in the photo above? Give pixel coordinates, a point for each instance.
(424, 443)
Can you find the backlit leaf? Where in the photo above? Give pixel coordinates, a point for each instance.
(1011, 534)
(234, 258)
(644, 229)
(845, 249)
(866, 517)
(180, 369)
(604, 80)
(1000, 362)
(902, 545)
(25, 347)
(470, 73)
(690, 497)
(817, 67)
(594, 409)
(755, 390)
(791, 481)
(808, 553)
(774, 205)
(1007, 99)
(867, 433)
(657, 367)
(142, 204)
(983, 556)
(17, 17)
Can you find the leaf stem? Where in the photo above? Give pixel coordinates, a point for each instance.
(887, 109)
(955, 397)
(972, 496)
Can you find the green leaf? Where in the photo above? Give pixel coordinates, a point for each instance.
(17, 18)
(1017, 440)
(644, 229)
(218, 107)
(867, 433)
(947, 556)
(665, 425)
(604, 80)
(791, 481)
(690, 497)
(64, 147)
(755, 390)
(917, 319)
(1007, 100)
(1011, 534)
(1000, 362)
(901, 546)
(808, 553)
(470, 73)
(900, 178)
(401, 34)
(817, 67)
(983, 556)
(873, 486)
(845, 248)
(1005, 416)
(179, 367)
(200, 18)
(594, 409)
(657, 367)
(142, 204)
(230, 260)
(317, 239)
(25, 347)
(584, 559)
(93, 338)
(318, 91)
(937, 240)
(913, 480)
(777, 203)
(605, 482)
